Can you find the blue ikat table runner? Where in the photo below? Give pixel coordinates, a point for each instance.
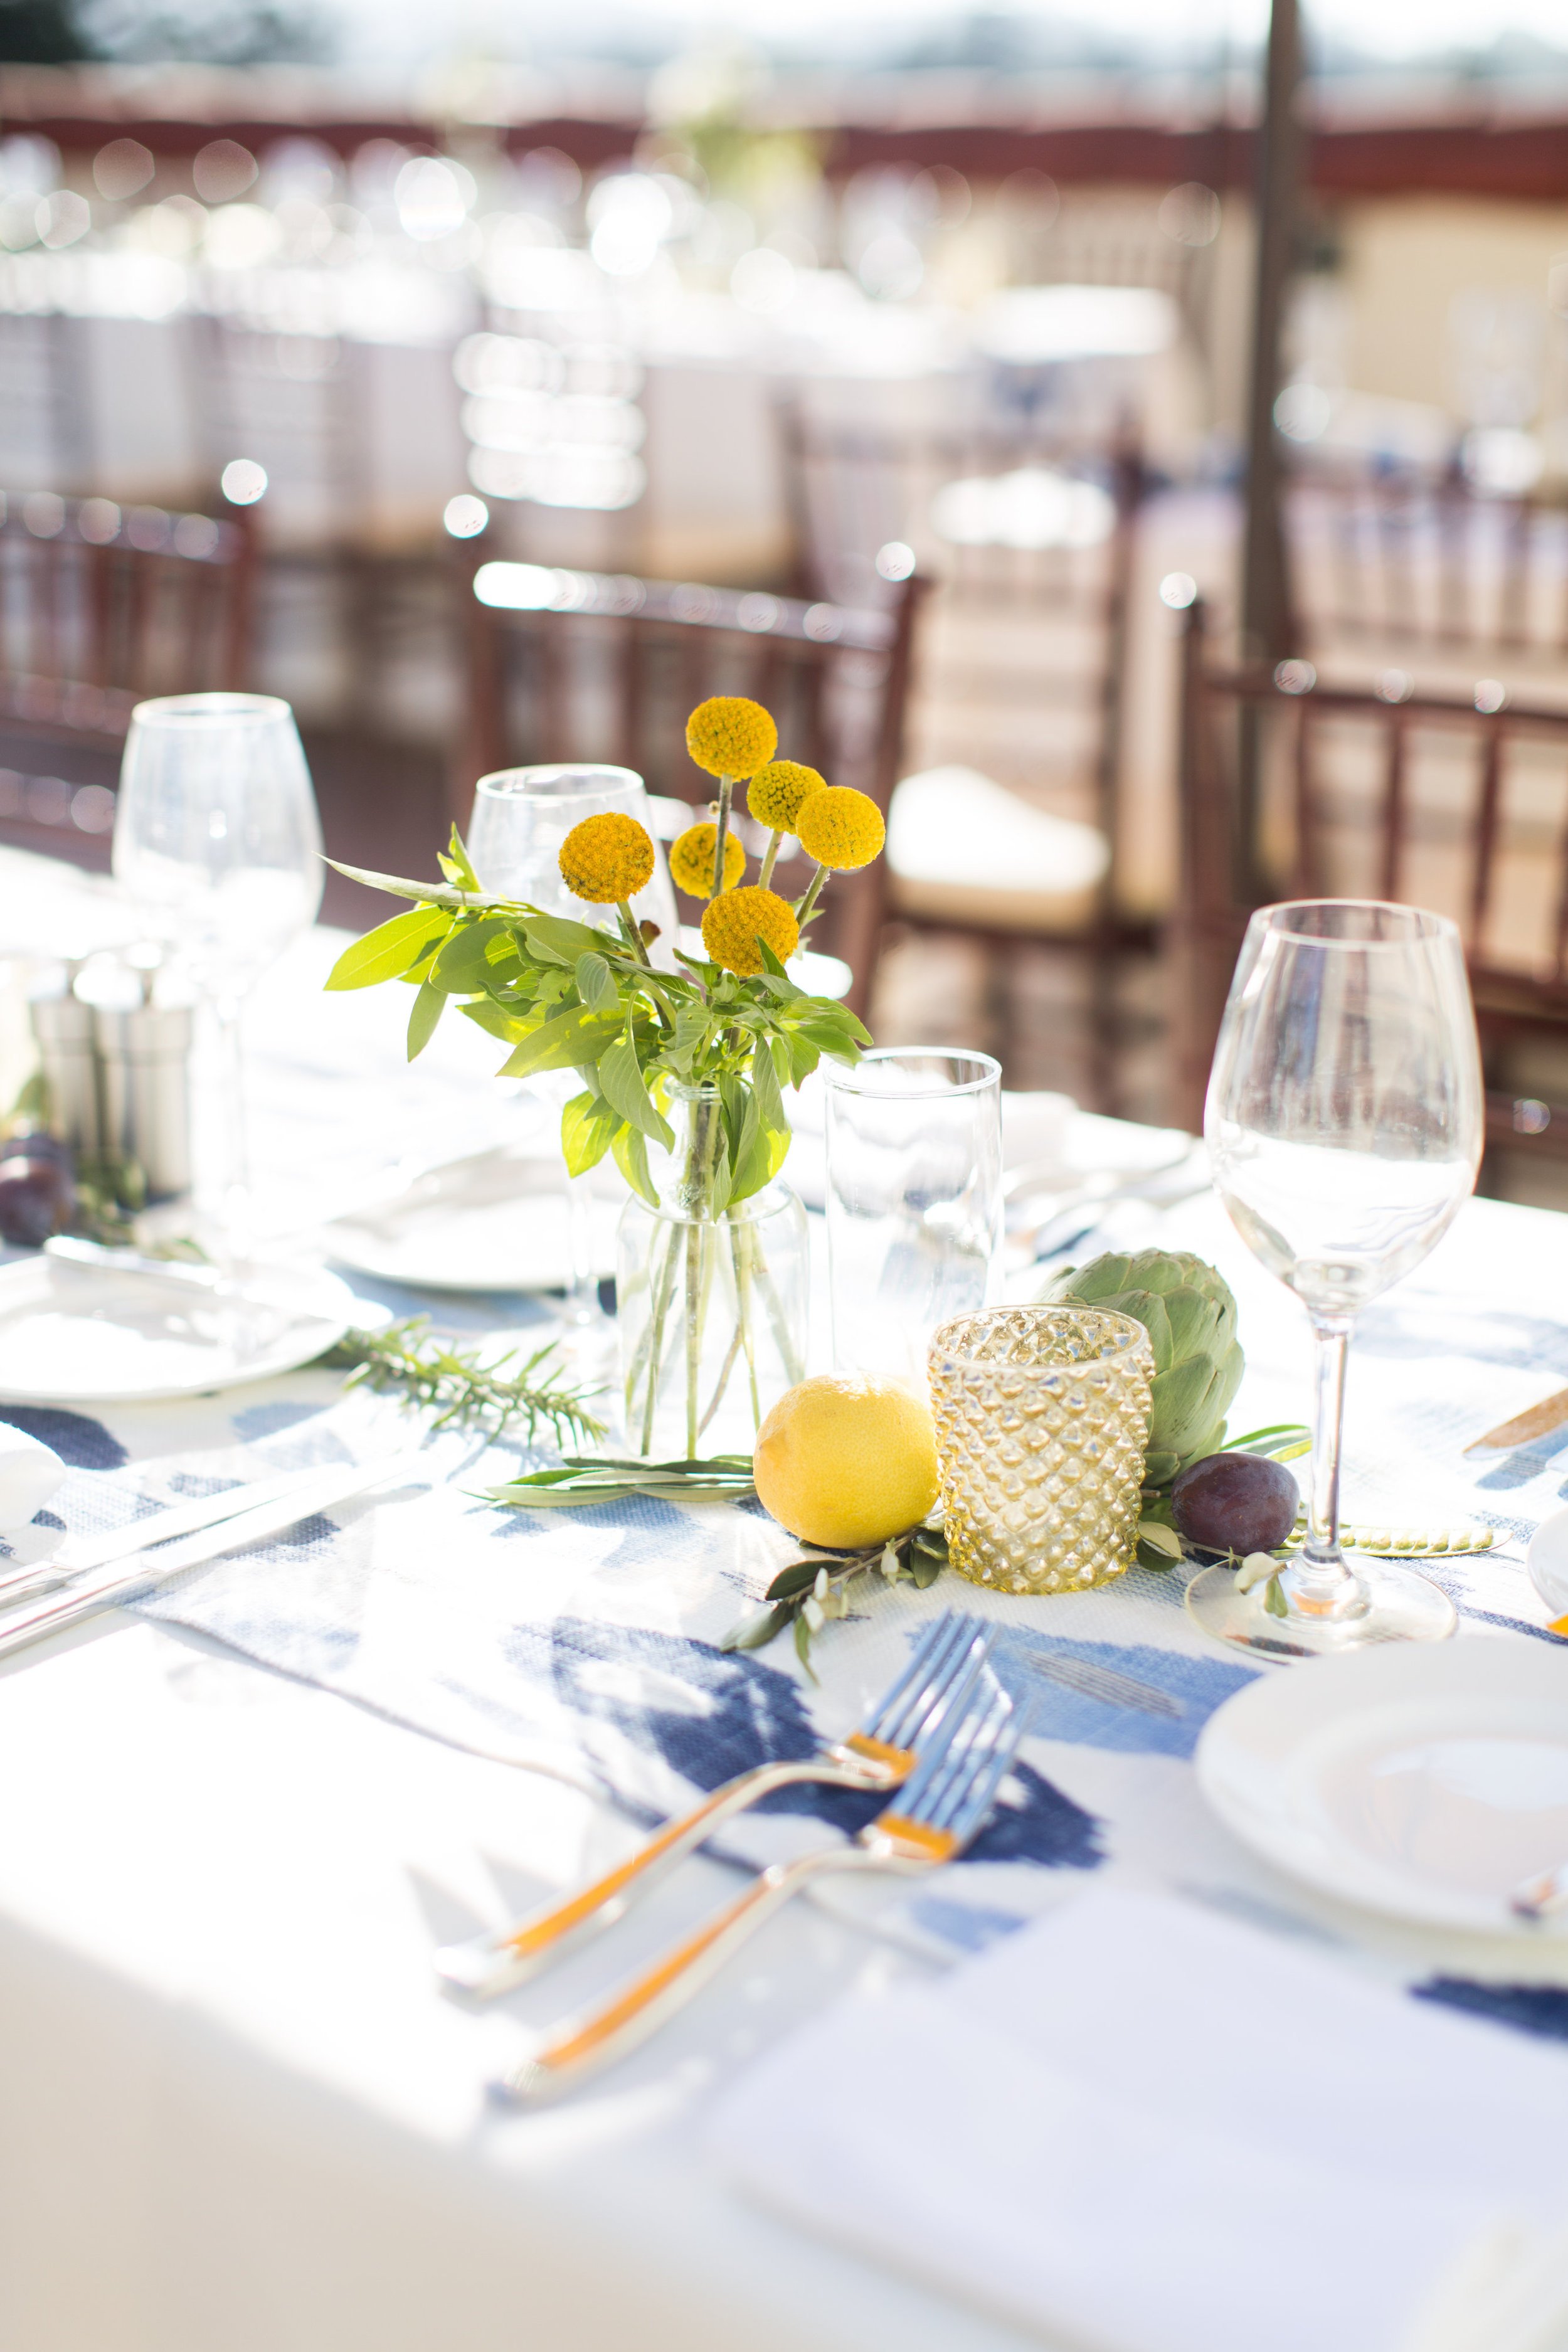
(585, 1643)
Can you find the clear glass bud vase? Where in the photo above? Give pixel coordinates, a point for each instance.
(711, 1302)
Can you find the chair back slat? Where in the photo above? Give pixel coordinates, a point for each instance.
(1428, 800)
(101, 609)
(1488, 800)
(1394, 816)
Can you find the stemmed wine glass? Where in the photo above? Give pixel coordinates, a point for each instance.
(522, 816)
(216, 835)
(1344, 1125)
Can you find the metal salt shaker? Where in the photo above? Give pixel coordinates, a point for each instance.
(63, 1026)
(144, 1072)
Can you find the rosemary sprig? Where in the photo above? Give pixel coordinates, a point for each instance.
(470, 1390)
(812, 1590)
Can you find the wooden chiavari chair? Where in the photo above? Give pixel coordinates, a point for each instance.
(1020, 683)
(1294, 788)
(569, 664)
(1426, 571)
(101, 607)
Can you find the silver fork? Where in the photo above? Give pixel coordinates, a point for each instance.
(943, 1667)
(943, 1803)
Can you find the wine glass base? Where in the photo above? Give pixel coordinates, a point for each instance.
(1401, 1607)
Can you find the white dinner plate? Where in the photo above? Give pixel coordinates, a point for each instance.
(1421, 1780)
(498, 1219)
(93, 1335)
(1547, 1561)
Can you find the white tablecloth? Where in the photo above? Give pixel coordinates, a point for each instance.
(237, 2116)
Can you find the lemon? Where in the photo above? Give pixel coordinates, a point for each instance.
(847, 1459)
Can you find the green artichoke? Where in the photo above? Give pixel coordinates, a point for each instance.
(1189, 1313)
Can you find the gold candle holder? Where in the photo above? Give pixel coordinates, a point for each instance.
(1042, 1423)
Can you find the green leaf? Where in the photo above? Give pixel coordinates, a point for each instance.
(587, 1130)
(630, 1151)
(802, 1643)
(797, 1578)
(1274, 1598)
(569, 1041)
(475, 955)
(456, 866)
(597, 984)
(499, 1021)
(424, 1013)
(1283, 1441)
(554, 938)
(755, 1632)
(1160, 1538)
(924, 1567)
(397, 886)
(621, 1084)
(388, 951)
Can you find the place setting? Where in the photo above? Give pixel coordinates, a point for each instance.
(1018, 1631)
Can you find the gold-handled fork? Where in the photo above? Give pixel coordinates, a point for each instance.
(943, 1667)
(942, 1804)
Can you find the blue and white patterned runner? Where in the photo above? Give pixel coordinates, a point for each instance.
(585, 1643)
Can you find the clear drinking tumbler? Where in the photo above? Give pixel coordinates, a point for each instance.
(914, 1201)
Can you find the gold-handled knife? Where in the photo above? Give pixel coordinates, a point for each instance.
(1536, 1420)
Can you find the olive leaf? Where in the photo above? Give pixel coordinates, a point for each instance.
(424, 1013)
(596, 983)
(588, 1127)
(386, 953)
(624, 1088)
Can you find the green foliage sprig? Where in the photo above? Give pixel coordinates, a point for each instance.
(815, 1588)
(565, 995)
(604, 1478)
(467, 1391)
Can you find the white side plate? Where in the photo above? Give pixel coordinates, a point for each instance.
(495, 1220)
(1547, 1561)
(88, 1335)
(1423, 1782)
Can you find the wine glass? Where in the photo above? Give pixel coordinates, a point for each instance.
(215, 834)
(1344, 1125)
(522, 816)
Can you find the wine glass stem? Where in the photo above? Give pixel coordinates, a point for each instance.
(233, 1190)
(1319, 1584)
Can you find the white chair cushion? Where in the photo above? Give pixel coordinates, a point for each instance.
(962, 849)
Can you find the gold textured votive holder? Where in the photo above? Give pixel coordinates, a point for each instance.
(1042, 1423)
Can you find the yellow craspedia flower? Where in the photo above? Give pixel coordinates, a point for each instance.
(606, 858)
(737, 919)
(841, 827)
(775, 792)
(731, 737)
(692, 860)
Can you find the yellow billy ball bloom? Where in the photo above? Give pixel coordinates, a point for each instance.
(775, 792)
(606, 858)
(692, 860)
(737, 919)
(841, 827)
(731, 737)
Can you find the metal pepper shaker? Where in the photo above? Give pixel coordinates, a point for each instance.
(63, 1027)
(144, 1074)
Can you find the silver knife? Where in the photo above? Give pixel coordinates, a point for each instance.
(317, 1493)
(75, 1558)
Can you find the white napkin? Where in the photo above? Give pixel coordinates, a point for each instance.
(1140, 2126)
(31, 1472)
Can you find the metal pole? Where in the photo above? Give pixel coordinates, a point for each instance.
(1265, 619)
